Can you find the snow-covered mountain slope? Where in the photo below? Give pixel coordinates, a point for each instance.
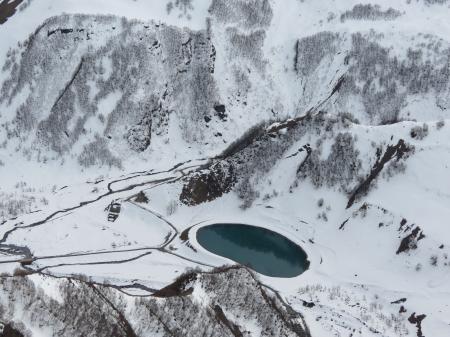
(132, 87)
(327, 122)
(226, 302)
(381, 84)
(110, 81)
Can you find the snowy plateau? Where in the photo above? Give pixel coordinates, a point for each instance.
(128, 125)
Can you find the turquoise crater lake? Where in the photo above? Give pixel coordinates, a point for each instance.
(263, 250)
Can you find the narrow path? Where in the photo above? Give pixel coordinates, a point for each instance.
(148, 250)
(159, 216)
(94, 263)
(189, 259)
(162, 248)
(18, 250)
(100, 252)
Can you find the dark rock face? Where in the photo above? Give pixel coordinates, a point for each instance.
(393, 152)
(417, 320)
(9, 331)
(410, 241)
(8, 9)
(208, 184)
(220, 110)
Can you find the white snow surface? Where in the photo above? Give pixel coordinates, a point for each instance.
(355, 273)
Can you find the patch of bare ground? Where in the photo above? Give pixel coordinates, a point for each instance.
(8, 9)
(184, 236)
(22, 272)
(410, 241)
(9, 331)
(141, 198)
(208, 185)
(417, 320)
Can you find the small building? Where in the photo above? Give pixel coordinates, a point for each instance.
(113, 210)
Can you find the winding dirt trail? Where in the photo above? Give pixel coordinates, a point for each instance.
(175, 173)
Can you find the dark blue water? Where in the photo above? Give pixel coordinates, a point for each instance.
(262, 250)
